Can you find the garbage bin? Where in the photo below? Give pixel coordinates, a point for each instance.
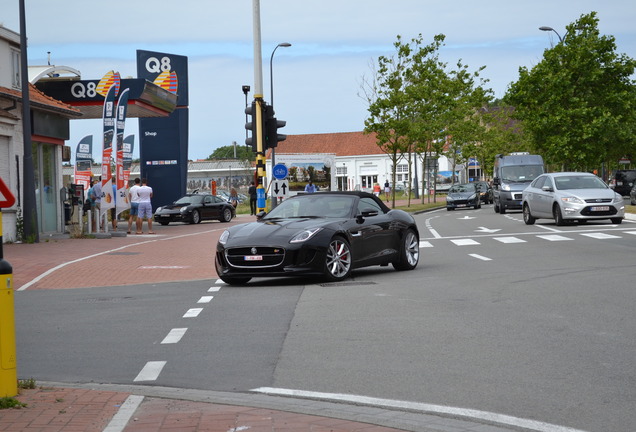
(67, 213)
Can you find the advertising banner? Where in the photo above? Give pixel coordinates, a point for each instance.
(110, 84)
(302, 168)
(129, 147)
(84, 162)
(121, 203)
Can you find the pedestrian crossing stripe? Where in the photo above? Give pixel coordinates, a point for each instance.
(554, 237)
(425, 244)
(465, 242)
(510, 240)
(601, 236)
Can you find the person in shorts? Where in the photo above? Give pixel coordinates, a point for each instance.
(145, 207)
(134, 203)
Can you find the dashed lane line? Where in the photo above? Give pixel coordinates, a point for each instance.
(174, 336)
(150, 371)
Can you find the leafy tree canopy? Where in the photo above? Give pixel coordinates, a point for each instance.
(578, 104)
(228, 152)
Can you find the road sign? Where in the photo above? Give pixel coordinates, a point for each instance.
(280, 171)
(6, 197)
(280, 188)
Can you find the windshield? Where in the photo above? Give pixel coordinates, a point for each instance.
(192, 199)
(313, 205)
(579, 182)
(462, 188)
(521, 173)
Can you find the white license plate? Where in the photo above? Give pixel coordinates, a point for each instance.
(600, 208)
(253, 258)
(461, 205)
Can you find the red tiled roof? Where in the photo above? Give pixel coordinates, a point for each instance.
(340, 144)
(42, 101)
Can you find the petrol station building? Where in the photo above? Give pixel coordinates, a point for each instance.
(58, 95)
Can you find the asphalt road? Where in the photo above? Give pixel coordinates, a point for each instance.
(535, 322)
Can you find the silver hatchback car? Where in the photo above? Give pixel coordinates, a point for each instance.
(571, 196)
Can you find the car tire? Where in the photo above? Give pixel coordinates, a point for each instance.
(226, 215)
(495, 207)
(632, 201)
(449, 208)
(196, 217)
(502, 209)
(528, 219)
(617, 221)
(338, 260)
(236, 280)
(558, 216)
(164, 223)
(409, 252)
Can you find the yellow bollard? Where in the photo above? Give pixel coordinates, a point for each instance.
(8, 370)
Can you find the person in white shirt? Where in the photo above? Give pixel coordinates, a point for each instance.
(134, 203)
(145, 207)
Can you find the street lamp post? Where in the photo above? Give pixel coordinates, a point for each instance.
(547, 28)
(271, 95)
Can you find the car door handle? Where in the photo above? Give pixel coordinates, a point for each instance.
(356, 234)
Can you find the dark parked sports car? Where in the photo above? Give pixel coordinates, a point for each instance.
(327, 234)
(193, 208)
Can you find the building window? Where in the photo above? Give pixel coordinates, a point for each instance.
(15, 69)
(341, 171)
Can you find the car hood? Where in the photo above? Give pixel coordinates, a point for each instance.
(274, 231)
(461, 195)
(589, 194)
(173, 206)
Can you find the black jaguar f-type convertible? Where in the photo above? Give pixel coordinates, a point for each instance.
(324, 234)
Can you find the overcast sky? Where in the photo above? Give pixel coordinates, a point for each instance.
(317, 80)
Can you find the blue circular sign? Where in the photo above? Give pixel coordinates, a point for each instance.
(280, 171)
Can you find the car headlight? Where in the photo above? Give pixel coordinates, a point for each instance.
(183, 209)
(158, 209)
(572, 200)
(450, 199)
(224, 237)
(304, 235)
(505, 187)
(473, 196)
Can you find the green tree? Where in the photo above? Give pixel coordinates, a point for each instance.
(577, 104)
(228, 152)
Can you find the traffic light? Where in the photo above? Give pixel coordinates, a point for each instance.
(271, 128)
(252, 126)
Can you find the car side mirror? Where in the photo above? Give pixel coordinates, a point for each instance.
(547, 189)
(496, 181)
(260, 215)
(365, 214)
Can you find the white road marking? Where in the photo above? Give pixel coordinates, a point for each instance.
(219, 281)
(465, 242)
(483, 258)
(425, 244)
(483, 416)
(151, 371)
(600, 236)
(487, 230)
(205, 299)
(174, 336)
(510, 240)
(120, 420)
(215, 288)
(554, 238)
(192, 313)
(630, 232)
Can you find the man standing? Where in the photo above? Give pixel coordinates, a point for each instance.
(133, 193)
(251, 191)
(310, 188)
(145, 207)
(387, 190)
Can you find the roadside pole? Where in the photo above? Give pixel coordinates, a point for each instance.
(260, 105)
(8, 370)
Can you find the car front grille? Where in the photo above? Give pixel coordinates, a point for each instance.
(587, 211)
(255, 257)
(598, 200)
(516, 196)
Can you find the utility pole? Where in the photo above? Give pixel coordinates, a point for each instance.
(259, 108)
